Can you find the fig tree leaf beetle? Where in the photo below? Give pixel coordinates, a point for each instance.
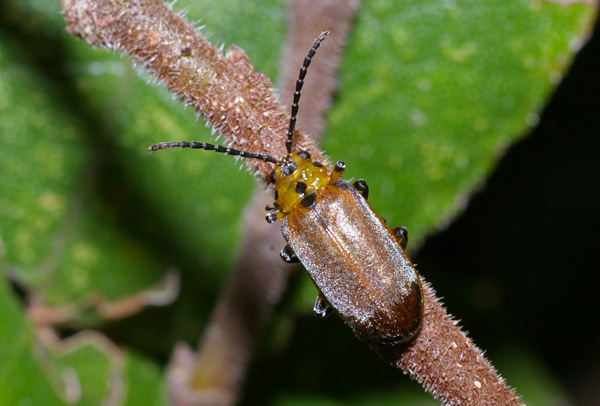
(356, 262)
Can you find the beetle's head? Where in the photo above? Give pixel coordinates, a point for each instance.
(295, 177)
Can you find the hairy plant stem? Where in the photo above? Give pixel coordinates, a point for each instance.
(239, 103)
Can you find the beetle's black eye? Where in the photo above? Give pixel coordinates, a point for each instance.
(276, 195)
(318, 164)
(287, 168)
(272, 177)
(300, 188)
(304, 155)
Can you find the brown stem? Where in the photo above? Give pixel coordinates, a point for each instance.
(225, 90)
(238, 102)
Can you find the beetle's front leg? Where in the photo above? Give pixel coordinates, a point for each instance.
(287, 254)
(401, 234)
(322, 307)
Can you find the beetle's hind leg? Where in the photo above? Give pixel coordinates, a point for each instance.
(287, 254)
(362, 188)
(322, 307)
(401, 234)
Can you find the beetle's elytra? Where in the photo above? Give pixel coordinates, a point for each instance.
(356, 262)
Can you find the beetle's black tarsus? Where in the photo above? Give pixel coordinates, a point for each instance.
(299, 84)
(362, 188)
(287, 254)
(210, 147)
(322, 307)
(401, 234)
(271, 216)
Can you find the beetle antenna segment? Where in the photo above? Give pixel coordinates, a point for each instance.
(210, 147)
(299, 83)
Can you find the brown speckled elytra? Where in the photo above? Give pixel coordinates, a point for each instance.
(356, 262)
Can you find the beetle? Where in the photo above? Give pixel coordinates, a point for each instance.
(357, 263)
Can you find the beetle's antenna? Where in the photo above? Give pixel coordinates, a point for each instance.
(299, 83)
(211, 147)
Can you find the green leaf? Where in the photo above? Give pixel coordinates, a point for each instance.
(22, 379)
(145, 384)
(57, 232)
(85, 369)
(448, 85)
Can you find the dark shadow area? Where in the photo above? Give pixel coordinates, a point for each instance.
(519, 265)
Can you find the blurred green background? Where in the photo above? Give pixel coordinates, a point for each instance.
(432, 93)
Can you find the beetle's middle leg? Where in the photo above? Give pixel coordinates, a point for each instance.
(401, 234)
(287, 254)
(322, 307)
